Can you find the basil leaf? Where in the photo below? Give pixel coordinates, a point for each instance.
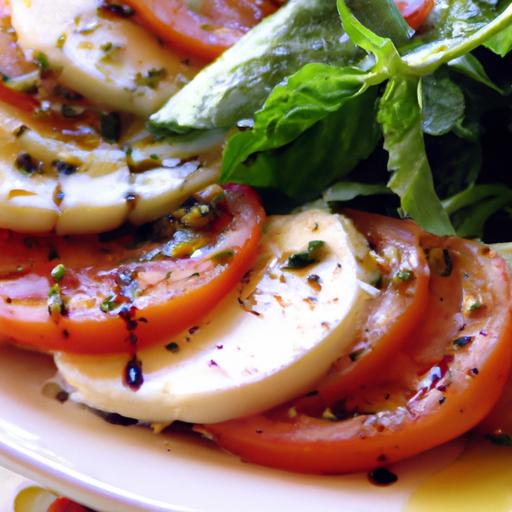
(443, 104)
(324, 153)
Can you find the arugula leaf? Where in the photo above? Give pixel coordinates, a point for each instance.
(443, 104)
(327, 151)
(401, 120)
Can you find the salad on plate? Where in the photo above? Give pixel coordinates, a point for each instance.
(281, 223)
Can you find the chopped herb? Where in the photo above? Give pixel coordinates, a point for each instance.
(64, 167)
(89, 28)
(154, 157)
(462, 341)
(172, 347)
(475, 306)
(109, 304)
(308, 257)
(61, 41)
(110, 127)
(41, 60)
(110, 50)
(150, 78)
(26, 164)
(500, 438)
(404, 275)
(58, 272)
(56, 305)
(223, 256)
(128, 150)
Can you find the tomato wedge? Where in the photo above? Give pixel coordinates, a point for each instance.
(443, 381)
(205, 28)
(115, 296)
(402, 301)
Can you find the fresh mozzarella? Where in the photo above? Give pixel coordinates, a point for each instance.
(110, 61)
(268, 341)
(103, 193)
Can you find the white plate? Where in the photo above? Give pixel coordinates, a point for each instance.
(119, 469)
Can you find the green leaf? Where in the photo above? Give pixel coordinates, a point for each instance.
(455, 163)
(324, 153)
(236, 85)
(471, 67)
(501, 43)
(347, 190)
(471, 208)
(388, 60)
(309, 96)
(442, 104)
(458, 27)
(383, 18)
(401, 120)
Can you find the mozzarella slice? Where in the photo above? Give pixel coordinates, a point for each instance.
(111, 61)
(268, 341)
(103, 193)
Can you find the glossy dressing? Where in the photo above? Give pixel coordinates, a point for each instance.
(480, 480)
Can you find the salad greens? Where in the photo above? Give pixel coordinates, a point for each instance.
(437, 103)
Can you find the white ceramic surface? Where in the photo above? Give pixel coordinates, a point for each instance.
(118, 469)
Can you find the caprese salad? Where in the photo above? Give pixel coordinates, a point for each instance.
(174, 184)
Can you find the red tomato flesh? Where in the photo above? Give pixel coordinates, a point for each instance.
(121, 293)
(443, 381)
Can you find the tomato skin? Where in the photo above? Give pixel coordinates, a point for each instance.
(415, 12)
(420, 403)
(404, 302)
(206, 32)
(65, 505)
(172, 294)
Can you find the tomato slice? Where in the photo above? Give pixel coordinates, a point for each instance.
(415, 12)
(402, 301)
(202, 29)
(65, 505)
(121, 295)
(442, 382)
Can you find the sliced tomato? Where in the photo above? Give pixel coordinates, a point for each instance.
(415, 12)
(402, 302)
(440, 384)
(204, 28)
(65, 505)
(120, 295)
